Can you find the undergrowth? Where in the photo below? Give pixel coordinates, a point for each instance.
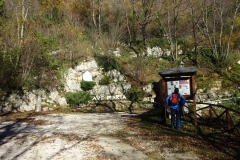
(206, 141)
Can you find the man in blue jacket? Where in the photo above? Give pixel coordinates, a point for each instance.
(176, 102)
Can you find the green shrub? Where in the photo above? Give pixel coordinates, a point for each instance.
(2, 4)
(158, 42)
(76, 98)
(234, 101)
(166, 57)
(105, 80)
(135, 95)
(107, 62)
(47, 43)
(226, 83)
(87, 85)
(152, 80)
(10, 75)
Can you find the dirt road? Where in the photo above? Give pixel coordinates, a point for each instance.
(75, 137)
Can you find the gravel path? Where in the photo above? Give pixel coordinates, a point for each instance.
(71, 136)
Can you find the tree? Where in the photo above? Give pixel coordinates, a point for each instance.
(170, 19)
(96, 5)
(51, 10)
(134, 95)
(21, 10)
(78, 12)
(1, 15)
(218, 24)
(196, 15)
(130, 17)
(144, 18)
(138, 17)
(1, 7)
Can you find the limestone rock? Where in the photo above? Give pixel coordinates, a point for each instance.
(89, 65)
(87, 76)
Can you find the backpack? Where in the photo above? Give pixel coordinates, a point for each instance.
(174, 99)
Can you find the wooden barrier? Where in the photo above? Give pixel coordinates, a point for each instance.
(231, 123)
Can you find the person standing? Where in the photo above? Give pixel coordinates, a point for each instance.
(176, 102)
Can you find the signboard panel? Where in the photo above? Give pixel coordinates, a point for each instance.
(183, 85)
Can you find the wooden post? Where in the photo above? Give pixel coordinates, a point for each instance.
(162, 100)
(228, 118)
(194, 99)
(195, 110)
(210, 113)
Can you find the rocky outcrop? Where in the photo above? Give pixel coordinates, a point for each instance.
(86, 71)
(32, 100)
(158, 52)
(213, 94)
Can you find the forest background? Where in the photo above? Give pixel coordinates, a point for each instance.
(41, 39)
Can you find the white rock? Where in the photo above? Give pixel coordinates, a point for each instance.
(62, 101)
(148, 88)
(53, 95)
(117, 52)
(45, 109)
(87, 76)
(89, 65)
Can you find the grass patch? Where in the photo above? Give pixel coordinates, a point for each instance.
(205, 141)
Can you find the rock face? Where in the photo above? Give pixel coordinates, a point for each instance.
(88, 71)
(212, 95)
(32, 100)
(46, 100)
(73, 79)
(158, 52)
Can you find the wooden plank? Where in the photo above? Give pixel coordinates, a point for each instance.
(193, 93)
(210, 113)
(228, 119)
(163, 97)
(217, 105)
(185, 71)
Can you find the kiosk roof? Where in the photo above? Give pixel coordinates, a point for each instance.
(185, 71)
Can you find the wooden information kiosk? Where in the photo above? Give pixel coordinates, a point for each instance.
(182, 78)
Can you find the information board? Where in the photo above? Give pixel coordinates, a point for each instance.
(183, 85)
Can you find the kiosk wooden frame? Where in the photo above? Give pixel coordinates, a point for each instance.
(178, 74)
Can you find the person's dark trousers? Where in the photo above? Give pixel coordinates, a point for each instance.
(175, 114)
